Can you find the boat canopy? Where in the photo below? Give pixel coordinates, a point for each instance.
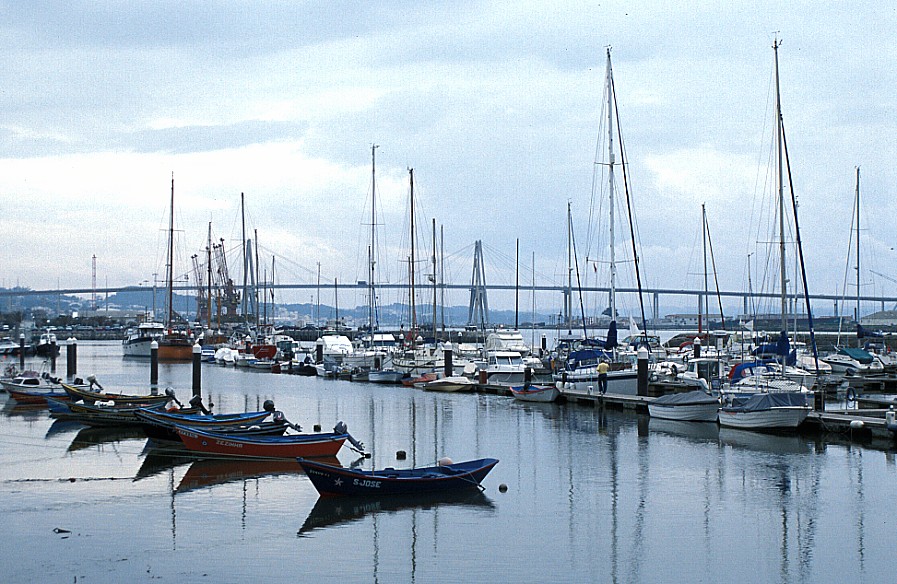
(860, 355)
(687, 398)
(765, 401)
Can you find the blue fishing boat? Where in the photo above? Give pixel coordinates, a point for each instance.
(331, 480)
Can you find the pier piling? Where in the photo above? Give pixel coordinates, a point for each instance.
(197, 370)
(71, 358)
(643, 371)
(154, 364)
(21, 351)
(447, 360)
(53, 351)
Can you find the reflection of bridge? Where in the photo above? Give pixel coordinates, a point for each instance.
(653, 294)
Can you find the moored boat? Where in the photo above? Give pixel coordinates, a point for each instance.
(449, 384)
(161, 425)
(766, 411)
(448, 477)
(88, 395)
(287, 446)
(536, 393)
(694, 406)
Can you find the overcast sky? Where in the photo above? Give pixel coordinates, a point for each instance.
(496, 106)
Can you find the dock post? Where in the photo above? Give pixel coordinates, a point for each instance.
(154, 364)
(319, 351)
(197, 370)
(447, 360)
(642, 371)
(71, 358)
(697, 346)
(543, 346)
(22, 351)
(53, 350)
(527, 376)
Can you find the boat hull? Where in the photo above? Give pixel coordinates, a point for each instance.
(175, 350)
(330, 480)
(785, 417)
(291, 446)
(536, 393)
(685, 413)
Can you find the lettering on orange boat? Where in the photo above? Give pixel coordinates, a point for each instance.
(228, 444)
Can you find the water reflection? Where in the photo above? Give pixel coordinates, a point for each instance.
(329, 511)
(210, 472)
(104, 435)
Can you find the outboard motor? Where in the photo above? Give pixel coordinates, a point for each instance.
(268, 405)
(341, 428)
(92, 380)
(196, 402)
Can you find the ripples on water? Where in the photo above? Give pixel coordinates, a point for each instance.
(593, 495)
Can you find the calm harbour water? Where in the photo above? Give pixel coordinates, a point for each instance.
(593, 495)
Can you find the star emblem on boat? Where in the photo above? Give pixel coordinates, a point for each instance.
(338, 482)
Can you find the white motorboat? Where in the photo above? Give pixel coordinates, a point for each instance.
(450, 383)
(138, 341)
(853, 361)
(695, 406)
(766, 411)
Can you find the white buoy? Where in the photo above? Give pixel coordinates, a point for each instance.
(445, 461)
(857, 425)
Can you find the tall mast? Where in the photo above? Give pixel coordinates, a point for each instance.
(371, 290)
(411, 267)
(209, 274)
(704, 308)
(857, 317)
(781, 189)
(171, 257)
(610, 184)
(434, 279)
(568, 303)
(517, 285)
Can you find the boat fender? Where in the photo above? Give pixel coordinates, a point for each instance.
(445, 461)
(653, 378)
(851, 394)
(857, 425)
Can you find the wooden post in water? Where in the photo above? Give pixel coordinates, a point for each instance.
(319, 351)
(53, 350)
(697, 346)
(447, 359)
(154, 364)
(71, 358)
(197, 370)
(21, 351)
(642, 371)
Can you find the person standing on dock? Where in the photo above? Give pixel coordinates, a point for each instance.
(602, 377)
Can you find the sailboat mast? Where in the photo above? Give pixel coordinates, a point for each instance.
(434, 279)
(209, 275)
(704, 304)
(371, 290)
(517, 286)
(781, 191)
(568, 303)
(610, 184)
(411, 267)
(857, 317)
(171, 257)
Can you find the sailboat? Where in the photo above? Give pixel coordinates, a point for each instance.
(174, 345)
(580, 372)
(372, 360)
(773, 401)
(415, 360)
(856, 360)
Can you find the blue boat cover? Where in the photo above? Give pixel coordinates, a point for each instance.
(687, 398)
(764, 401)
(860, 355)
